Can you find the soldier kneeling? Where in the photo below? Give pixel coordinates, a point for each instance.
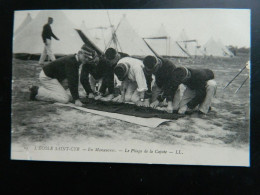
(200, 88)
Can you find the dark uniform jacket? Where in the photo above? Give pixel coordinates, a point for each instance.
(105, 70)
(47, 33)
(162, 80)
(198, 82)
(65, 68)
(90, 68)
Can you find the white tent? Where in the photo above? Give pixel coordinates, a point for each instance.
(25, 22)
(212, 48)
(100, 36)
(162, 43)
(128, 41)
(30, 40)
(226, 51)
(189, 45)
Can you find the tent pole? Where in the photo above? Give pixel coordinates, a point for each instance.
(169, 43)
(113, 32)
(166, 47)
(151, 49)
(234, 77)
(183, 49)
(242, 84)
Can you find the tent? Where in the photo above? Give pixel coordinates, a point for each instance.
(29, 41)
(25, 22)
(162, 43)
(212, 48)
(226, 51)
(189, 45)
(126, 40)
(100, 36)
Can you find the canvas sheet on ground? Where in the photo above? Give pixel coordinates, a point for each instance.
(131, 115)
(108, 133)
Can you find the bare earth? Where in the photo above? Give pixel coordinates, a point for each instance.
(227, 125)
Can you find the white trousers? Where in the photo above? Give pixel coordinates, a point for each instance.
(52, 90)
(189, 94)
(47, 51)
(176, 99)
(131, 93)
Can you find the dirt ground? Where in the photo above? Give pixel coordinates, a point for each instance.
(227, 125)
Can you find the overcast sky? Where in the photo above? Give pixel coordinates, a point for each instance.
(231, 26)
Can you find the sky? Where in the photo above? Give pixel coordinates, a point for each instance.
(230, 26)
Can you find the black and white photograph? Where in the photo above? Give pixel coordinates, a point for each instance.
(143, 86)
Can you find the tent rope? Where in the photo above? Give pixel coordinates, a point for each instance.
(183, 49)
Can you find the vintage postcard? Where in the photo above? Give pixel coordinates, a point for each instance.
(155, 86)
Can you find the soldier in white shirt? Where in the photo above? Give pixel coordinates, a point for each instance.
(130, 72)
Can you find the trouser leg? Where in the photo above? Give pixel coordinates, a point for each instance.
(51, 90)
(155, 92)
(178, 97)
(188, 95)
(92, 83)
(135, 97)
(211, 88)
(107, 85)
(110, 84)
(49, 50)
(43, 55)
(130, 90)
(65, 85)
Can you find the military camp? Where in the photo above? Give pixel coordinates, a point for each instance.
(144, 79)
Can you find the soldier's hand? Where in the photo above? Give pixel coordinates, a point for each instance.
(183, 109)
(140, 103)
(169, 108)
(98, 97)
(91, 96)
(116, 98)
(154, 104)
(121, 99)
(78, 103)
(146, 103)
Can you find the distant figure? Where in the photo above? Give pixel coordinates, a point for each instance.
(46, 37)
(53, 75)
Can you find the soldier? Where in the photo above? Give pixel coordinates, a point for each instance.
(200, 88)
(162, 89)
(54, 73)
(130, 72)
(106, 71)
(46, 37)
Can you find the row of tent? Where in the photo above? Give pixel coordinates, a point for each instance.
(27, 39)
(183, 46)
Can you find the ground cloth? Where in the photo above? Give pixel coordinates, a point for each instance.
(126, 112)
(128, 109)
(147, 122)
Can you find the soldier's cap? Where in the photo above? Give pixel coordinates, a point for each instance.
(181, 74)
(150, 63)
(110, 53)
(88, 52)
(121, 71)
